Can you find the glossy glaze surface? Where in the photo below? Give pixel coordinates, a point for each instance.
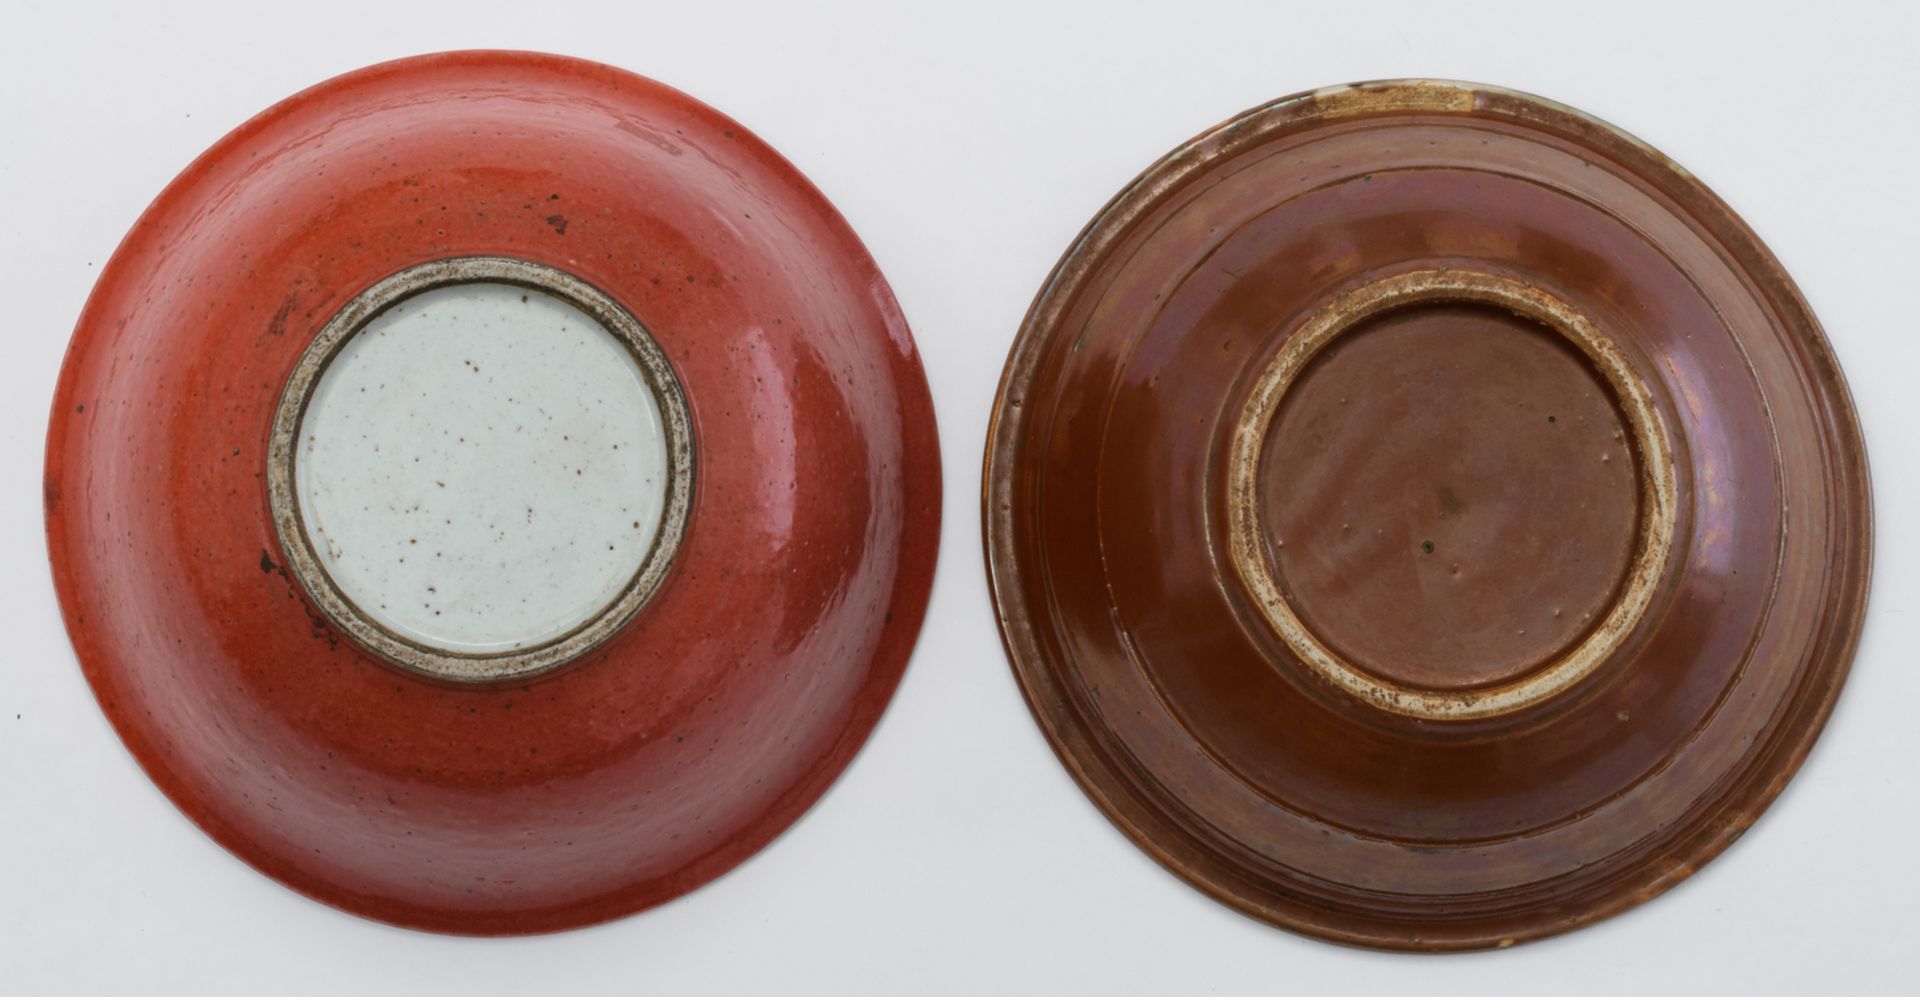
(665, 756)
(1196, 724)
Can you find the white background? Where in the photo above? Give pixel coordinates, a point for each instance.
(967, 145)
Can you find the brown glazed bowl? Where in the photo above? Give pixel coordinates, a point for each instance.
(226, 568)
(1424, 517)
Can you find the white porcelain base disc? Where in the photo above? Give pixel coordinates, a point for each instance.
(482, 469)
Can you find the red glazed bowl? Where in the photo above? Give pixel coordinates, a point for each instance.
(664, 754)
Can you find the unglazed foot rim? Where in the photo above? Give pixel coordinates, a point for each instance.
(297, 543)
(1255, 567)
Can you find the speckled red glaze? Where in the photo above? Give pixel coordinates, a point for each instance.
(662, 758)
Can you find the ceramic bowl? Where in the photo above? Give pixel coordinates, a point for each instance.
(492, 492)
(1423, 516)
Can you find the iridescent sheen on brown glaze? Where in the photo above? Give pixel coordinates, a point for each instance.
(665, 755)
(1470, 488)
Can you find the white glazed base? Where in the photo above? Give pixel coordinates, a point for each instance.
(481, 468)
